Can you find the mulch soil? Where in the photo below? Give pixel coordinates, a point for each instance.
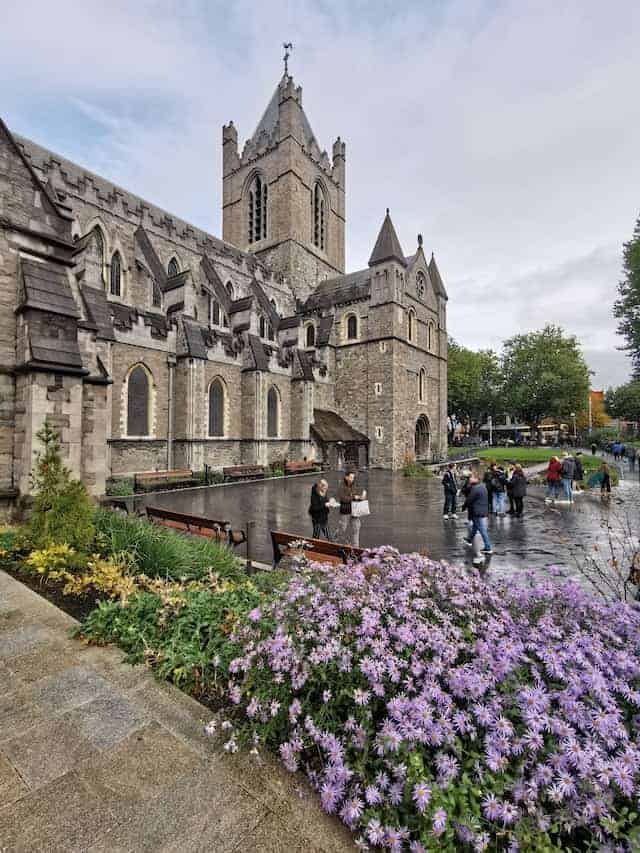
(78, 606)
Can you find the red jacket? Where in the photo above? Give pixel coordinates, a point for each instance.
(554, 469)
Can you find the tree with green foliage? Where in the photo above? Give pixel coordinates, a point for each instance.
(545, 375)
(627, 306)
(474, 383)
(624, 401)
(63, 512)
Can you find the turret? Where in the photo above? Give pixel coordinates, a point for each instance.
(230, 159)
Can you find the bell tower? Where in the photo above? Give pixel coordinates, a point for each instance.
(284, 198)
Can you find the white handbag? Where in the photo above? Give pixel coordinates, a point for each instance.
(360, 508)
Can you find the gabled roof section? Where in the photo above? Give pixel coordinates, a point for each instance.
(330, 427)
(436, 279)
(150, 256)
(305, 361)
(265, 304)
(46, 191)
(194, 339)
(387, 245)
(324, 330)
(177, 280)
(215, 283)
(98, 312)
(55, 352)
(339, 290)
(259, 353)
(46, 288)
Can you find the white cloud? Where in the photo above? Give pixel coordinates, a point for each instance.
(506, 133)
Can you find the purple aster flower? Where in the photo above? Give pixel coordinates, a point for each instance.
(421, 796)
(372, 795)
(439, 822)
(351, 811)
(375, 832)
(491, 807)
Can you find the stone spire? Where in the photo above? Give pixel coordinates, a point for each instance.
(387, 245)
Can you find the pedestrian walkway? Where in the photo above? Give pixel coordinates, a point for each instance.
(96, 756)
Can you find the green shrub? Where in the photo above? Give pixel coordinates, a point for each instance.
(411, 468)
(184, 639)
(62, 509)
(158, 552)
(121, 488)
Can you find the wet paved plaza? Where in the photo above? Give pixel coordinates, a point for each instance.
(407, 513)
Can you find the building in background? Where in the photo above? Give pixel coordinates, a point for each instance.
(150, 344)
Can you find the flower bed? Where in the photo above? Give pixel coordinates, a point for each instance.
(432, 710)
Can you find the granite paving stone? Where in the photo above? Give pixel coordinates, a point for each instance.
(107, 720)
(47, 751)
(271, 834)
(67, 689)
(35, 665)
(12, 787)
(22, 639)
(18, 712)
(63, 817)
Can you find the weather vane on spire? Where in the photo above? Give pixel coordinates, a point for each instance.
(287, 47)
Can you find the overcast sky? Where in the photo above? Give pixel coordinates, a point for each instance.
(507, 133)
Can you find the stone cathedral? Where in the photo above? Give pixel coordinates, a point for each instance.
(152, 345)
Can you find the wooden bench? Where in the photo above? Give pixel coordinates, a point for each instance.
(300, 467)
(243, 472)
(150, 480)
(320, 551)
(210, 528)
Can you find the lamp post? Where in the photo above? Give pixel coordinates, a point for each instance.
(575, 434)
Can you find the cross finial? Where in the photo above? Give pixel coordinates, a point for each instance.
(419, 239)
(287, 45)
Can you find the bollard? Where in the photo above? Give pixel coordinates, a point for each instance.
(250, 527)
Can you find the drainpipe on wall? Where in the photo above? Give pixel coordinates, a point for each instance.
(171, 362)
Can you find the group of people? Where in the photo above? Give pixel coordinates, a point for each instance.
(566, 475)
(500, 484)
(621, 452)
(348, 529)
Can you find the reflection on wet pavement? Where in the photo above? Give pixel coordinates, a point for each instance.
(407, 513)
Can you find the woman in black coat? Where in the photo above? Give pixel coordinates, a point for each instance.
(518, 489)
(319, 510)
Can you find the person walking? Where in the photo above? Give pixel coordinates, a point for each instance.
(632, 454)
(349, 525)
(594, 447)
(616, 450)
(319, 510)
(578, 472)
(450, 485)
(566, 472)
(553, 478)
(509, 475)
(496, 482)
(477, 506)
(605, 482)
(518, 489)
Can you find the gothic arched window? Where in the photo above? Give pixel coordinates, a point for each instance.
(98, 241)
(263, 327)
(116, 274)
(421, 384)
(216, 408)
(270, 332)
(257, 210)
(352, 327)
(156, 296)
(273, 405)
(319, 227)
(430, 336)
(411, 322)
(311, 335)
(421, 285)
(214, 312)
(138, 402)
(229, 288)
(173, 268)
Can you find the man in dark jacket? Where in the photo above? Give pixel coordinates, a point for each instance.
(578, 469)
(477, 506)
(450, 486)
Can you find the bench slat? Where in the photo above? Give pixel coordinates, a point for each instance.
(197, 525)
(342, 551)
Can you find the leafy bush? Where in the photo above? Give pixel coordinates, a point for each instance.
(182, 633)
(62, 510)
(411, 468)
(432, 710)
(159, 552)
(121, 488)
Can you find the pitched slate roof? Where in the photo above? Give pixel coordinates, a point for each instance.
(387, 245)
(194, 338)
(269, 121)
(259, 353)
(436, 279)
(213, 279)
(289, 322)
(98, 312)
(330, 427)
(175, 281)
(265, 304)
(150, 256)
(55, 352)
(306, 365)
(46, 288)
(243, 304)
(341, 289)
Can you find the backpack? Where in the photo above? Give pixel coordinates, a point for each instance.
(498, 482)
